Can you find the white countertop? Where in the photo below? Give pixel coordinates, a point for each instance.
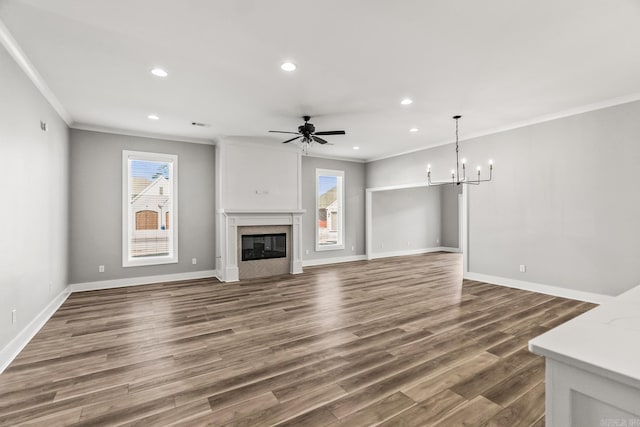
(605, 340)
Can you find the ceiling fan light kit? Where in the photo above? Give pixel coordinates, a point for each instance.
(307, 135)
(456, 179)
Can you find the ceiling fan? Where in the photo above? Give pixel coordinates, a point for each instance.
(307, 134)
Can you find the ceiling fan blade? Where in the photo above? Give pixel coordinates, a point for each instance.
(331, 132)
(289, 140)
(319, 140)
(282, 131)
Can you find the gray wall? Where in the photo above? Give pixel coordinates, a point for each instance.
(96, 205)
(35, 191)
(563, 200)
(449, 213)
(406, 219)
(354, 176)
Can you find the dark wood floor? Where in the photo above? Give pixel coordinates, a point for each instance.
(395, 342)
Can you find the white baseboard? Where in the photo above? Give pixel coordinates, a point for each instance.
(336, 260)
(15, 346)
(413, 252)
(145, 280)
(540, 288)
(450, 249)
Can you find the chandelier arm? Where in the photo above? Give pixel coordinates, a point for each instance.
(453, 182)
(478, 181)
(437, 184)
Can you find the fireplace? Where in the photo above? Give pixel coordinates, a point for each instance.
(232, 225)
(264, 246)
(263, 250)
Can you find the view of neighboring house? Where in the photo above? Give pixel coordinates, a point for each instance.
(328, 217)
(333, 221)
(151, 214)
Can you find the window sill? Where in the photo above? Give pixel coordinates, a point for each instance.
(149, 261)
(329, 248)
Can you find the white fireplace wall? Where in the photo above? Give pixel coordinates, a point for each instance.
(258, 176)
(258, 183)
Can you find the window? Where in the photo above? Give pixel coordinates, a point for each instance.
(329, 209)
(149, 201)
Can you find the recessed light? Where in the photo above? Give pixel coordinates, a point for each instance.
(413, 130)
(288, 66)
(159, 72)
(406, 101)
(153, 117)
(356, 148)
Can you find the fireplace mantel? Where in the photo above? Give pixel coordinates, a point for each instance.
(227, 265)
(260, 211)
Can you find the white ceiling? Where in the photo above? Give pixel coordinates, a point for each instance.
(496, 62)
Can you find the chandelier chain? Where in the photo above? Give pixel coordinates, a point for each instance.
(457, 149)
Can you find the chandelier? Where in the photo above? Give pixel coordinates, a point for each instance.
(455, 173)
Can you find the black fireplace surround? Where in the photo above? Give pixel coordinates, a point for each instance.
(264, 246)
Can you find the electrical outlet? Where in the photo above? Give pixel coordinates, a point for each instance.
(523, 268)
(101, 269)
(381, 245)
(353, 248)
(437, 240)
(194, 261)
(408, 242)
(14, 317)
(306, 252)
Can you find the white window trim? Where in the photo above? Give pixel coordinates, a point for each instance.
(341, 205)
(127, 226)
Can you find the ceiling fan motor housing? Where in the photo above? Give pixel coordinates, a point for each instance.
(306, 129)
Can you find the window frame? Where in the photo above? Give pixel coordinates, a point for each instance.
(128, 222)
(341, 206)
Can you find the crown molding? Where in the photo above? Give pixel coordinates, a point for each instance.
(261, 141)
(30, 70)
(612, 102)
(343, 159)
(126, 132)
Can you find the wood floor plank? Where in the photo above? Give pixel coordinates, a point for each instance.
(378, 412)
(523, 412)
(424, 413)
(452, 376)
(473, 413)
(517, 384)
(290, 409)
(493, 375)
(401, 341)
